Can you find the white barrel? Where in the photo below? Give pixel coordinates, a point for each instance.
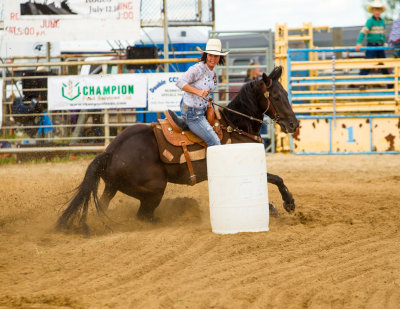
(238, 192)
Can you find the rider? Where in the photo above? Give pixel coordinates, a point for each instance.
(197, 83)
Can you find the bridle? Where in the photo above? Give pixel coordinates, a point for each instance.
(230, 128)
(269, 106)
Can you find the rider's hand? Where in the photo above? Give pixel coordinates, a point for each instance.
(203, 93)
(358, 46)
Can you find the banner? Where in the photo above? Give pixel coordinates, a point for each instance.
(69, 20)
(97, 91)
(163, 93)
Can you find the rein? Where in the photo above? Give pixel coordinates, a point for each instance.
(231, 129)
(239, 113)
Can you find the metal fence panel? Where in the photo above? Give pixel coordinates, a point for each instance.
(68, 130)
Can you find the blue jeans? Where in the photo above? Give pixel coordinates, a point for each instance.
(197, 122)
(397, 46)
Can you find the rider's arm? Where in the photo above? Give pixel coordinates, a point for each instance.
(198, 92)
(193, 74)
(364, 31)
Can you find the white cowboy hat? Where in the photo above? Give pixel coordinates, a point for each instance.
(377, 4)
(213, 47)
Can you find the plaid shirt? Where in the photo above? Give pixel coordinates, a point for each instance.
(200, 77)
(395, 33)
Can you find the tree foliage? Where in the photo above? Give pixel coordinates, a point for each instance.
(392, 9)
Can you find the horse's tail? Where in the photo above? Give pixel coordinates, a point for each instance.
(78, 207)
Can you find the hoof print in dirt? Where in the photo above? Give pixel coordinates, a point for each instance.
(304, 218)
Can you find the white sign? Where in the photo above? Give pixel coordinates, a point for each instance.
(68, 20)
(163, 93)
(23, 49)
(97, 92)
(1, 102)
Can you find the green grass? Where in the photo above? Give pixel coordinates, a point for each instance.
(29, 159)
(8, 160)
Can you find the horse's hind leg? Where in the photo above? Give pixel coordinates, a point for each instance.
(148, 204)
(108, 194)
(288, 201)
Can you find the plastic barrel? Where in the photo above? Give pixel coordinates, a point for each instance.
(238, 192)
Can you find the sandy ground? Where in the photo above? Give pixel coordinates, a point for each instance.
(340, 249)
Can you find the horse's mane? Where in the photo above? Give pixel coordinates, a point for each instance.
(246, 102)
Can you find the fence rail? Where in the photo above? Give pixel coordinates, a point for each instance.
(335, 85)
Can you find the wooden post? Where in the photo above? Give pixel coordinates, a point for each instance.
(337, 40)
(396, 88)
(106, 127)
(165, 26)
(227, 76)
(3, 105)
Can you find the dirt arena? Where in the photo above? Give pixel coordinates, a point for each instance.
(340, 249)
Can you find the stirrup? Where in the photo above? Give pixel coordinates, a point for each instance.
(192, 180)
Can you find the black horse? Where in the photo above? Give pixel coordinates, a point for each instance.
(131, 163)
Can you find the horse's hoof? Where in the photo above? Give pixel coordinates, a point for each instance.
(147, 218)
(289, 206)
(273, 211)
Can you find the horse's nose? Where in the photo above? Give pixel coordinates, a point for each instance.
(293, 125)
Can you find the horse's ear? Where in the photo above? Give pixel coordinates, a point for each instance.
(276, 73)
(266, 79)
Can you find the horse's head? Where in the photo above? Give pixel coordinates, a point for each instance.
(276, 102)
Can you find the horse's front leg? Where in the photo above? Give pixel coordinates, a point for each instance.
(288, 200)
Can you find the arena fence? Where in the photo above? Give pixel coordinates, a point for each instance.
(347, 134)
(29, 130)
(340, 110)
(336, 86)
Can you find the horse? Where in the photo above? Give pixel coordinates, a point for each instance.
(131, 163)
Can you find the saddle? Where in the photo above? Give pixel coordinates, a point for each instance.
(178, 145)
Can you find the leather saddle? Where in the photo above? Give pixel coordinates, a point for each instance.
(177, 131)
(177, 144)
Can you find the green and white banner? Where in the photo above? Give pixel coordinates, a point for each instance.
(97, 92)
(163, 93)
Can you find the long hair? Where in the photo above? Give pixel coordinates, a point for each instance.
(204, 59)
